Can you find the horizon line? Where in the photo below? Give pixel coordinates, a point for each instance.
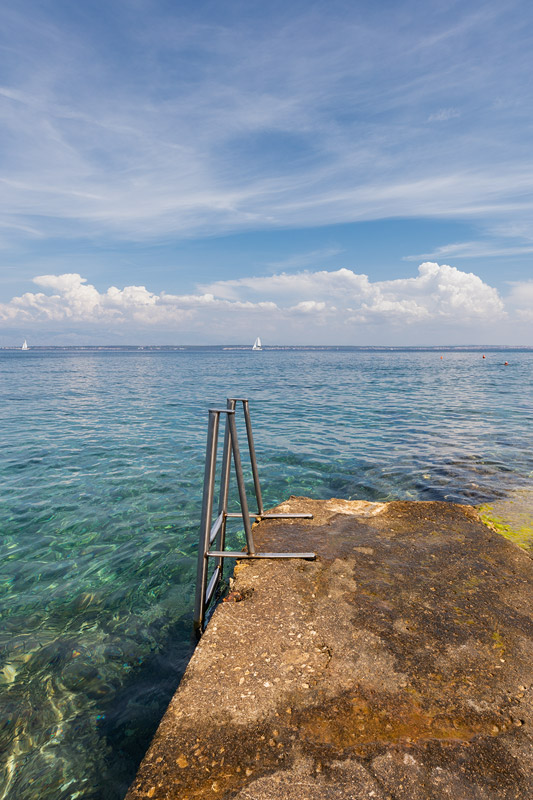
(246, 347)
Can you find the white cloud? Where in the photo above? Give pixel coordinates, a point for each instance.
(475, 249)
(299, 260)
(520, 299)
(310, 119)
(437, 292)
(445, 292)
(280, 304)
(294, 287)
(444, 114)
(310, 307)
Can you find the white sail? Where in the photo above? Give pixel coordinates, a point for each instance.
(257, 344)
(25, 345)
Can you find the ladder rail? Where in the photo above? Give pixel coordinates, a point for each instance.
(214, 533)
(207, 512)
(250, 546)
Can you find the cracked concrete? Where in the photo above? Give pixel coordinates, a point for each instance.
(398, 666)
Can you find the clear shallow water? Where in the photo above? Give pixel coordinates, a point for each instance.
(101, 478)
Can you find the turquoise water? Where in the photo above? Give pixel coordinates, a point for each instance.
(101, 480)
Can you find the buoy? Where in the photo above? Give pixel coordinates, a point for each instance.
(441, 358)
(506, 364)
(483, 356)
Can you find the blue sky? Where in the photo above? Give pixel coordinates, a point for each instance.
(206, 172)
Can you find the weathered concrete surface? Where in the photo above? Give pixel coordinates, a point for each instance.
(398, 665)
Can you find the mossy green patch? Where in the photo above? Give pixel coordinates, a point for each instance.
(522, 535)
(498, 643)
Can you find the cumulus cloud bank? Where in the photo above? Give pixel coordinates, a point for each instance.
(281, 304)
(437, 292)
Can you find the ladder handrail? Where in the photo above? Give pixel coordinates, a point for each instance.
(211, 532)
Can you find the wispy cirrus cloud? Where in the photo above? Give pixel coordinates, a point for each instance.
(444, 114)
(475, 249)
(180, 128)
(311, 257)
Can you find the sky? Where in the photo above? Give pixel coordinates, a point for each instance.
(352, 173)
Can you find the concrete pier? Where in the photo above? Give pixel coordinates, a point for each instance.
(397, 666)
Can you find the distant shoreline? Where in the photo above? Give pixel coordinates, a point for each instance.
(313, 348)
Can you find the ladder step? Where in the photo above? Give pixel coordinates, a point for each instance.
(216, 527)
(236, 514)
(243, 554)
(213, 583)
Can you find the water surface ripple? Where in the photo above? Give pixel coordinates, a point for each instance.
(101, 476)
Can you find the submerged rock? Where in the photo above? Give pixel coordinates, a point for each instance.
(79, 676)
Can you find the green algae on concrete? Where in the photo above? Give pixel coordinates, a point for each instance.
(397, 666)
(512, 517)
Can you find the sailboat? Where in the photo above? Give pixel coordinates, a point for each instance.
(257, 344)
(25, 345)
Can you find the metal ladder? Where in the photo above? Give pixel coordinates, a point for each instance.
(215, 532)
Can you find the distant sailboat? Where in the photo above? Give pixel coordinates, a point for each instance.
(25, 345)
(257, 344)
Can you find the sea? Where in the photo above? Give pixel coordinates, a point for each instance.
(101, 473)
